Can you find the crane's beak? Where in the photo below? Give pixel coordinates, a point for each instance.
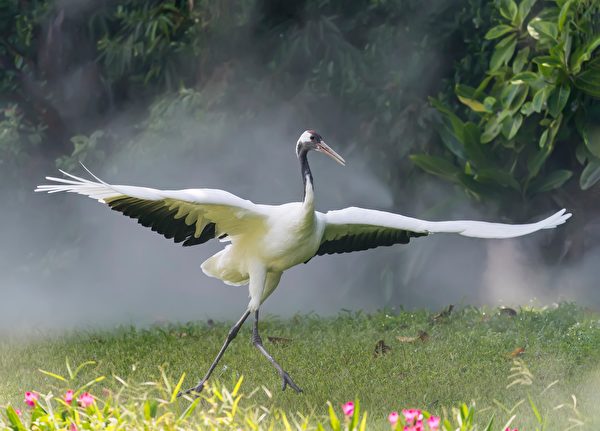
(326, 149)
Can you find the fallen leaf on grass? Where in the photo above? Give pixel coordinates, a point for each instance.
(381, 349)
(421, 336)
(517, 352)
(444, 314)
(280, 340)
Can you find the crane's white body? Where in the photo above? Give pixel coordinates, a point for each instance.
(265, 240)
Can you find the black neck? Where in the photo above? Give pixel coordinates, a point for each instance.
(305, 169)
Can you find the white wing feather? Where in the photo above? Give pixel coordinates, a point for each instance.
(229, 212)
(354, 220)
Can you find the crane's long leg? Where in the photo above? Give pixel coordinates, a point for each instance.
(230, 336)
(257, 341)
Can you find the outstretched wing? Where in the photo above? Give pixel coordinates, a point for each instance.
(354, 229)
(191, 216)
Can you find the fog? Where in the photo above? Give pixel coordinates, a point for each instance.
(70, 262)
(117, 272)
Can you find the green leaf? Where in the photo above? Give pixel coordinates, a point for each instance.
(14, 419)
(527, 109)
(508, 9)
(177, 388)
(451, 130)
(81, 367)
(592, 139)
(435, 165)
(535, 411)
(56, 376)
(492, 128)
(538, 27)
(150, 408)
(558, 99)
(547, 60)
(536, 161)
(588, 81)
(333, 419)
(590, 175)
(525, 77)
(544, 138)
(581, 154)
(355, 415)
(551, 181)
(540, 98)
(363, 423)
(520, 60)
(564, 13)
(524, 9)
(503, 52)
(497, 176)
(188, 412)
(583, 54)
(466, 95)
(489, 102)
(456, 123)
(519, 98)
(478, 154)
(499, 30)
(511, 125)
(489, 425)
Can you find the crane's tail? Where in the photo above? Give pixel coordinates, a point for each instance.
(96, 190)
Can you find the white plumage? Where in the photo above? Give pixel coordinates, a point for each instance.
(265, 240)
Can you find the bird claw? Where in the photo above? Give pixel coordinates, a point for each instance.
(195, 390)
(287, 380)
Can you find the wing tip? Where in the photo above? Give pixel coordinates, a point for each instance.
(558, 218)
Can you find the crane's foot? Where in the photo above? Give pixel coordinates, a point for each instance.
(195, 391)
(286, 380)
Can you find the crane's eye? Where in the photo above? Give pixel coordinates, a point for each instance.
(312, 138)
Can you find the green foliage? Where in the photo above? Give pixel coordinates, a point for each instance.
(18, 140)
(166, 42)
(536, 97)
(336, 63)
(85, 148)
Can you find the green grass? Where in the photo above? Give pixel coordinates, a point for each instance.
(466, 357)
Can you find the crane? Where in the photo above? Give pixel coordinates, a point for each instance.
(265, 240)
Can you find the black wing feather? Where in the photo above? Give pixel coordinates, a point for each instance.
(366, 241)
(157, 216)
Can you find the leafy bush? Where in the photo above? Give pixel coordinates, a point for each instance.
(525, 128)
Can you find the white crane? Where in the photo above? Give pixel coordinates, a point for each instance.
(265, 240)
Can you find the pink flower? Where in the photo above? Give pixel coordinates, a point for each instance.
(411, 415)
(85, 399)
(434, 423)
(348, 408)
(510, 429)
(418, 426)
(73, 427)
(69, 397)
(31, 398)
(393, 418)
(18, 412)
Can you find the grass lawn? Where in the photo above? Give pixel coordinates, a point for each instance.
(466, 356)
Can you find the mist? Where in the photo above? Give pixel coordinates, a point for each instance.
(69, 262)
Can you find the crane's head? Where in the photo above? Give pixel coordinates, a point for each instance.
(311, 140)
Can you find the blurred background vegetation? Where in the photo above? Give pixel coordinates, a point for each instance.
(497, 99)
